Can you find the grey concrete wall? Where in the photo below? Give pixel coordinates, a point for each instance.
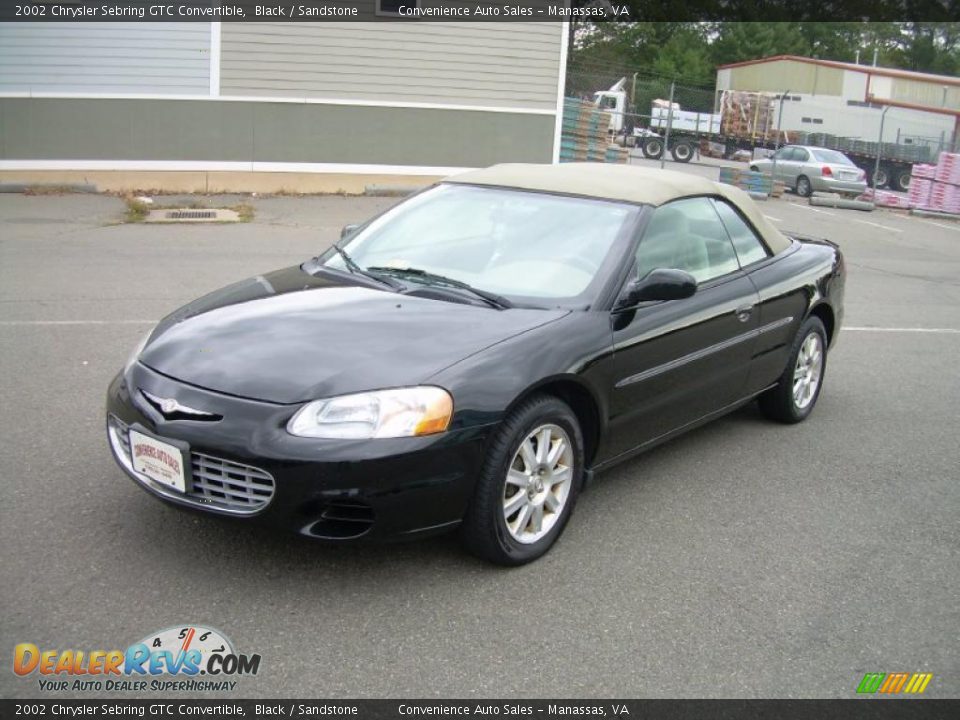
(90, 129)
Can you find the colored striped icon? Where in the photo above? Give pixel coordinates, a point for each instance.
(894, 683)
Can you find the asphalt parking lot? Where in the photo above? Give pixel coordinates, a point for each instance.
(745, 559)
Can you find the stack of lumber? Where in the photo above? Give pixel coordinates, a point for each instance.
(752, 182)
(748, 114)
(585, 134)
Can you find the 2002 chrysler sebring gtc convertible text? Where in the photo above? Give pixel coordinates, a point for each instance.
(471, 356)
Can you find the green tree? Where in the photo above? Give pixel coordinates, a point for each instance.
(735, 42)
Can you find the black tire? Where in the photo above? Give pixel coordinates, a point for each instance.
(652, 148)
(484, 532)
(901, 180)
(682, 152)
(778, 403)
(804, 188)
(754, 168)
(883, 176)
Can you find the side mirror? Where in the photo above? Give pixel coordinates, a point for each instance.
(660, 284)
(348, 230)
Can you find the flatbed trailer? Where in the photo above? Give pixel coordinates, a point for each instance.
(689, 129)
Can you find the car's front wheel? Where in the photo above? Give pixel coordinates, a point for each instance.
(797, 390)
(528, 485)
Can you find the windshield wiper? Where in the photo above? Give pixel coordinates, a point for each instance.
(497, 301)
(353, 267)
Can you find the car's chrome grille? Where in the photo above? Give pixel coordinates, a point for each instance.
(217, 483)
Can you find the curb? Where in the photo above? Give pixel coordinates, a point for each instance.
(840, 203)
(53, 187)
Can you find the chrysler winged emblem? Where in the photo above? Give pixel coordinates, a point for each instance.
(169, 406)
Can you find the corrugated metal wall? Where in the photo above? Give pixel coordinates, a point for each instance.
(502, 64)
(783, 75)
(156, 58)
(926, 93)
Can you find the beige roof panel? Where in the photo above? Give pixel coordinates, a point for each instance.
(629, 183)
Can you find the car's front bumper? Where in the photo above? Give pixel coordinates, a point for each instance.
(246, 465)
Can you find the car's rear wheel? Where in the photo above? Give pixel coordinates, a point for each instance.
(528, 485)
(798, 388)
(804, 189)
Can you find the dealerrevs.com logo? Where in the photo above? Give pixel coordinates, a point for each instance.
(182, 658)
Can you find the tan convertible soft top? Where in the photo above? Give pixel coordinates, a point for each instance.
(649, 186)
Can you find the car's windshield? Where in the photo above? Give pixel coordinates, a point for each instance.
(831, 156)
(521, 245)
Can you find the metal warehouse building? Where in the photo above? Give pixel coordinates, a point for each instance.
(849, 98)
(271, 106)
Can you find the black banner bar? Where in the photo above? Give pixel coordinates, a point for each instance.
(854, 709)
(477, 10)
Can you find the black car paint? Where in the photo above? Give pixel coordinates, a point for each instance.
(255, 351)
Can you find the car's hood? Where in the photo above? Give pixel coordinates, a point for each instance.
(288, 336)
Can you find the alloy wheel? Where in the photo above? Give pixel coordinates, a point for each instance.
(808, 371)
(538, 483)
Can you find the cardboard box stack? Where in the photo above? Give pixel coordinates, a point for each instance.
(886, 199)
(921, 183)
(937, 187)
(584, 136)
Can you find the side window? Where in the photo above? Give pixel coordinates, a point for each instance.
(800, 155)
(687, 235)
(783, 153)
(748, 246)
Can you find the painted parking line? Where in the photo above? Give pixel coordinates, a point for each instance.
(813, 209)
(873, 224)
(771, 217)
(936, 331)
(955, 228)
(10, 323)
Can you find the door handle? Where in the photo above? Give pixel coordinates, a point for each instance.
(743, 312)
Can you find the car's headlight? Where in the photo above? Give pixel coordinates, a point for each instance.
(136, 351)
(402, 412)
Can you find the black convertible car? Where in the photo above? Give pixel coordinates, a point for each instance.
(472, 356)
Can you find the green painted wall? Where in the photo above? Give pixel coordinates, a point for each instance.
(90, 129)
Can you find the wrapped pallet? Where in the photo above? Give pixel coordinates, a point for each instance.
(585, 134)
(748, 115)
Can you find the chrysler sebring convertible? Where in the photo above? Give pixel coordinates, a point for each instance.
(473, 356)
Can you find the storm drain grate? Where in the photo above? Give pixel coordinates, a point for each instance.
(191, 214)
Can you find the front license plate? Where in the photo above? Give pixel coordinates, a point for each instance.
(159, 461)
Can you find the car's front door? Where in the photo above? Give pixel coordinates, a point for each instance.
(677, 361)
(781, 163)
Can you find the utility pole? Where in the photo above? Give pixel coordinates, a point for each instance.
(666, 140)
(776, 143)
(876, 165)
